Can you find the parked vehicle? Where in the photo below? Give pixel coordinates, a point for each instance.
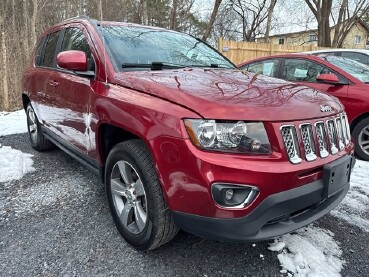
(359, 55)
(341, 77)
(183, 139)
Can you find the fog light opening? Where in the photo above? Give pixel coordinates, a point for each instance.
(233, 196)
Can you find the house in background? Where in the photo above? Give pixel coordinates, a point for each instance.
(357, 38)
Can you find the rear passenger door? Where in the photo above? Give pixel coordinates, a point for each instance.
(73, 93)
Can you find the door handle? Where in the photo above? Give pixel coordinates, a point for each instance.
(53, 83)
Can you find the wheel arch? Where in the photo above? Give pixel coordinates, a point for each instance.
(25, 101)
(357, 120)
(109, 135)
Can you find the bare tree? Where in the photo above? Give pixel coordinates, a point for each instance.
(212, 20)
(347, 19)
(144, 12)
(252, 14)
(173, 15)
(322, 10)
(269, 19)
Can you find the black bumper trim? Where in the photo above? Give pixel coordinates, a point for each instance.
(278, 214)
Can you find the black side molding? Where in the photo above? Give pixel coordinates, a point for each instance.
(75, 153)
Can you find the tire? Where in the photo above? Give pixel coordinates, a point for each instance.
(360, 135)
(135, 197)
(37, 138)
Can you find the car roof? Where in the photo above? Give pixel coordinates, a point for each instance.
(363, 51)
(295, 55)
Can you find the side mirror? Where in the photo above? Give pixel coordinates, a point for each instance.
(328, 78)
(72, 60)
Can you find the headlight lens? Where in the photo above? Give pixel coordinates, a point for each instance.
(228, 136)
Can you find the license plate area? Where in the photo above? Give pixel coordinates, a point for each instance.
(336, 174)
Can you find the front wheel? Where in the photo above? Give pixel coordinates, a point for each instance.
(37, 138)
(135, 197)
(361, 138)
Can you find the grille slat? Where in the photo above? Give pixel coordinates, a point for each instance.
(291, 143)
(308, 141)
(332, 136)
(322, 139)
(341, 139)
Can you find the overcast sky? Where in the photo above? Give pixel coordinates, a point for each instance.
(289, 15)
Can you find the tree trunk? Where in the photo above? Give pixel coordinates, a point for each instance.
(25, 26)
(33, 22)
(212, 20)
(322, 10)
(144, 12)
(5, 73)
(173, 15)
(269, 19)
(100, 10)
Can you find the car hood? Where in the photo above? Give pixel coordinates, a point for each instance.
(231, 94)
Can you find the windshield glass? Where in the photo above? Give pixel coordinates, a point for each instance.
(356, 69)
(132, 46)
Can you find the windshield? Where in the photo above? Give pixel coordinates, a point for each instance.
(132, 46)
(356, 69)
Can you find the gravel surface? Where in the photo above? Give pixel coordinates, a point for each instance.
(55, 222)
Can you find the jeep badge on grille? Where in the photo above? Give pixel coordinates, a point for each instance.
(325, 108)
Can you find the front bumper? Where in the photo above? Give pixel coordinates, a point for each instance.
(278, 214)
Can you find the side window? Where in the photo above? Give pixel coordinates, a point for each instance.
(296, 70)
(40, 47)
(74, 39)
(268, 67)
(359, 57)
(48, 59)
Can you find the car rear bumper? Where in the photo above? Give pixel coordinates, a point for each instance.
(278, 214)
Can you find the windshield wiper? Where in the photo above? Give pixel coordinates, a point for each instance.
(213, 65)
(153, 65)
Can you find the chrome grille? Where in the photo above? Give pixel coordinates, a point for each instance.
(341, 139)
(322, 139)
(346, 129)
(291, 143)
(330, 137)
(308, 141)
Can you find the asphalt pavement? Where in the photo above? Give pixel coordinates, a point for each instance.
(55, 222)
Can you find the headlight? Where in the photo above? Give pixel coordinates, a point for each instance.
(228, 136)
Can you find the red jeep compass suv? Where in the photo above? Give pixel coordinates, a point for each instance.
(181, 138)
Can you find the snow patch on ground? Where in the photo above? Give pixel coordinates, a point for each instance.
(355, 206)
(14, 164)
(311, 251)
(13, 123)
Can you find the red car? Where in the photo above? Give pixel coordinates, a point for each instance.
(183, 139)
(344, 78)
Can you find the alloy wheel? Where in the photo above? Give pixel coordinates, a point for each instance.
(32, 125)
(129, 197)
(363, 139)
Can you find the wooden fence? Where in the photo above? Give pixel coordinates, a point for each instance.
(242, 51)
